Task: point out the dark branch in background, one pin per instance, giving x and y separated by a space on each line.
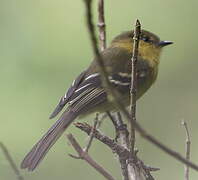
91 29
101 25
104 75
133 90
84 155
102 39
102 34
11 161
188 142
113 95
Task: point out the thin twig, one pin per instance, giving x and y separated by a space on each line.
11 162
113 95
160 145
188 142
91 136
133 89
101 25
84 155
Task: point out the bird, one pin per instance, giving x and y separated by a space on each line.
87 95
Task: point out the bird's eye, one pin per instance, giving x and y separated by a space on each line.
146 39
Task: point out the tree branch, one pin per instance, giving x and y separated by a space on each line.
101 25
121 151
122 133
11 162
188 142
84 155
91 136
133 89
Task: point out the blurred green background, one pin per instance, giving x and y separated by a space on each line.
43 47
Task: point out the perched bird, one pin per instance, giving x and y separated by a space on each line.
86 94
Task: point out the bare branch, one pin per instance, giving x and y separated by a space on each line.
118 149
133 90
101 25
121 151
84 155
11 162
122 133
91 136
131 170
188 142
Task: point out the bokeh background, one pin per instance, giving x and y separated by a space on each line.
44 45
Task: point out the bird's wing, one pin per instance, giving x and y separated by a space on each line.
80 87
64 99
87 91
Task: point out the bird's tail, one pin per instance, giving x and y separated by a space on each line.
39 150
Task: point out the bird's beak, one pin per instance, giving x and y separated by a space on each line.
164 43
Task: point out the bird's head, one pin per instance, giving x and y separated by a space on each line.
150 45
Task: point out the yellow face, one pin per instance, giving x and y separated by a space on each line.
147 51
150 52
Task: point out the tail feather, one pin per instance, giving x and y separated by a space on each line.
38 152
